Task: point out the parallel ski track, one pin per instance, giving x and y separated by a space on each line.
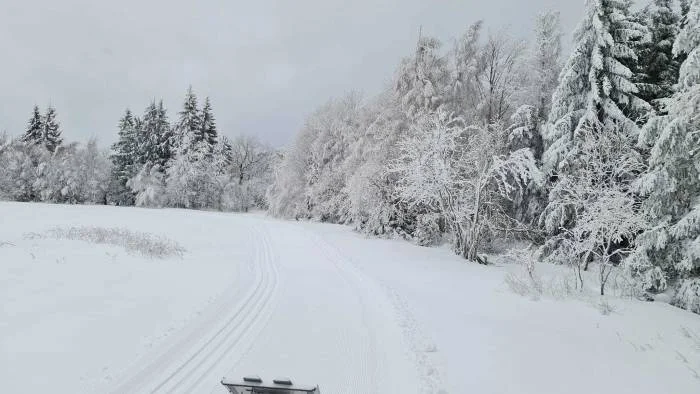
257 313
191 370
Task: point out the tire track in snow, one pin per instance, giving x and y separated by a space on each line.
204 356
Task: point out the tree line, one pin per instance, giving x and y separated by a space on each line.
593 157
154 163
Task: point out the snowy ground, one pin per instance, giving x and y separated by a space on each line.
314 302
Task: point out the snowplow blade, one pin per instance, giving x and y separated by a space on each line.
253 384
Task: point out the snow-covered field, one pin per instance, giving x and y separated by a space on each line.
315 302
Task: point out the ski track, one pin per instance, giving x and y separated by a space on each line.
245 332
421 346
197 362
172 373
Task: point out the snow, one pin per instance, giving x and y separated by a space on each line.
316 302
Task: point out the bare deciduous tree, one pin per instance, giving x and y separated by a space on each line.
249 158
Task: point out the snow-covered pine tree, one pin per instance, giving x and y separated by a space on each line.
51 137
208 124
125 161
35 128
188 129
658 66
595 90
671 248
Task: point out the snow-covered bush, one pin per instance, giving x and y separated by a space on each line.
522 285
21 168
688 295
594 207
71 174
236 198
148 185
605 307
428 231
191 180
463 173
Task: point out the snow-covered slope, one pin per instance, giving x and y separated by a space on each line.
314 302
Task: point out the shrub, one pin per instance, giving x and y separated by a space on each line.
144 244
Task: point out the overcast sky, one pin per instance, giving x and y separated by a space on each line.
265 64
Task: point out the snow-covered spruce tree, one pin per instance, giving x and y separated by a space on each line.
125 161
658 66
208 124
148 135
51 137
35 128
463 173
527 203
595 90
188 130
540 70
43 130
672 184
156 139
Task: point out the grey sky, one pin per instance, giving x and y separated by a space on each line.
265 64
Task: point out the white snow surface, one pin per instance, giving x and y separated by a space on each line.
315 302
